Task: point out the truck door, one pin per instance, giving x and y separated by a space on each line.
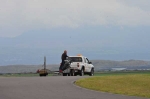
88 66
85 64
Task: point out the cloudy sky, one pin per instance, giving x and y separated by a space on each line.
100 29
20 16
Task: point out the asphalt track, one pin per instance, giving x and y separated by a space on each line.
56 87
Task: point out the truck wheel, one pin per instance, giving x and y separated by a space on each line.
64 74
68 74
92 72
72 72
81 72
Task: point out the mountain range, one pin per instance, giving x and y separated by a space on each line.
30 47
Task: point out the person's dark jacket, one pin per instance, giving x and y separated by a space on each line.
63 57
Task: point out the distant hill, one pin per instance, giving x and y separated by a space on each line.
99 65
94 43
121 63
129 64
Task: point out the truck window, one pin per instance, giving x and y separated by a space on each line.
75 59
87 61
84 60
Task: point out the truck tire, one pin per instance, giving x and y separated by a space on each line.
64 74
45 74
68 74
92 72
81 72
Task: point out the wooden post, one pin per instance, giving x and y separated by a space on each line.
44 62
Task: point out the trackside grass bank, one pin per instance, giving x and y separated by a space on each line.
130 84
111 73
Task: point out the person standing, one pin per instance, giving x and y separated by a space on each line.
63 58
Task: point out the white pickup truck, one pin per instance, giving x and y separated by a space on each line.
79 65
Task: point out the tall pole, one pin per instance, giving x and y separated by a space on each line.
44 62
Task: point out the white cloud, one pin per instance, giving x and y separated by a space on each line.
17 16
142 4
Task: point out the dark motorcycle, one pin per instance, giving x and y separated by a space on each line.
66 65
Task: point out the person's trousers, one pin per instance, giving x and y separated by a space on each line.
61 65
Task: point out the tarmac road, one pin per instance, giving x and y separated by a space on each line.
55 87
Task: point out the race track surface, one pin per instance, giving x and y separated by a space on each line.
55 87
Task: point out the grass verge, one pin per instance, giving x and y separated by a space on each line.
133 85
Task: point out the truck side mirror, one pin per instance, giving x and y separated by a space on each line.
90 62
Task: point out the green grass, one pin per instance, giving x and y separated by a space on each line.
120 73
133 84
